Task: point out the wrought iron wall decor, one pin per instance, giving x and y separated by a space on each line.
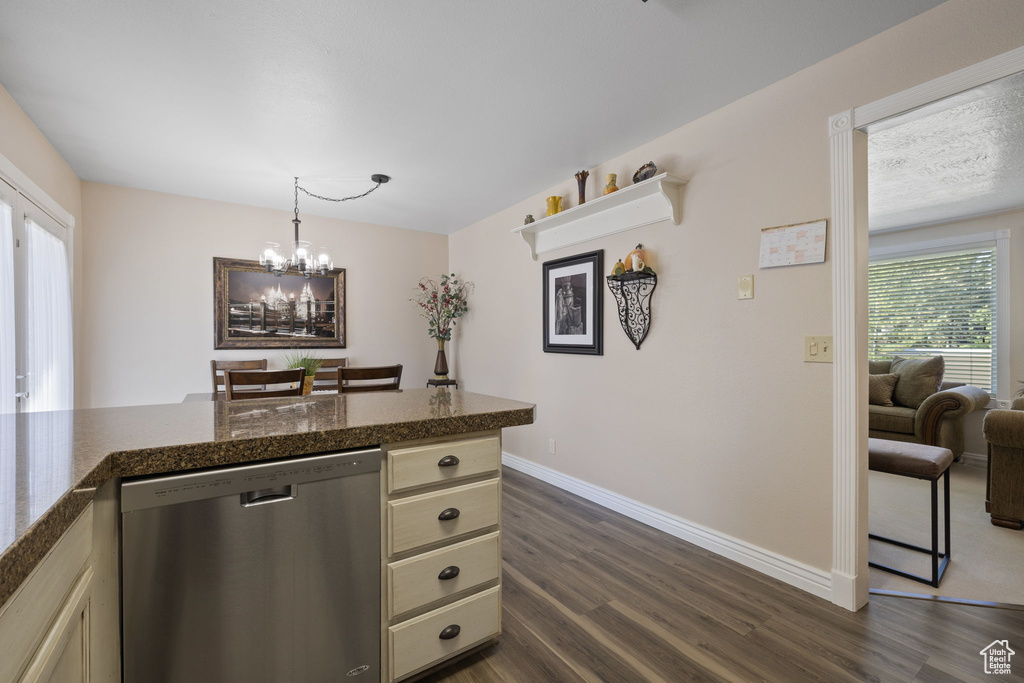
632 293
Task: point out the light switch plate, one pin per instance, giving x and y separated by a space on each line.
746 287
818 349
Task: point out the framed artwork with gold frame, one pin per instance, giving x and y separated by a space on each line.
254 309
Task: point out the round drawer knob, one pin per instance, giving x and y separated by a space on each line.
448 573
448 461
448 514
450 632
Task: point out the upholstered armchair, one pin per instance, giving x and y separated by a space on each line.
921 407
1004 431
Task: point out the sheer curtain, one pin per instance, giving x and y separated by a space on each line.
8 463
49 359
7 358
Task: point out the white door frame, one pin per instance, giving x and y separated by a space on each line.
849 313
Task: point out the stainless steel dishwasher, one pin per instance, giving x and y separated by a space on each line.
265 572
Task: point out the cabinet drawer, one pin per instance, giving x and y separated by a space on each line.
417 643
411 467
417 581
415 522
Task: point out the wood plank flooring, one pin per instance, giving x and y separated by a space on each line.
590 595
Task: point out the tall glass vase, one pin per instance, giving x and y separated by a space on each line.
441 364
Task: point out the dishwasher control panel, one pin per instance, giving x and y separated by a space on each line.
147 492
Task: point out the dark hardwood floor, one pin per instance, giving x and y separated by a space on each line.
590 595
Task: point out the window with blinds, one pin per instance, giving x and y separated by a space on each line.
937 304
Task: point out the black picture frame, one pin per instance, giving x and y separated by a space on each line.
573 304
297 321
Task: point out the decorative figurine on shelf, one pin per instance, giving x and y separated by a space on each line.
554 205
609 183
581 184
529 219
645 172
619 268
442 303
633 256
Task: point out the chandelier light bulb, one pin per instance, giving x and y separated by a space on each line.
270 257
302 257
323 261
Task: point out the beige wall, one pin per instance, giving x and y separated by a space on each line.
29 150
148 323
1014 222
716 419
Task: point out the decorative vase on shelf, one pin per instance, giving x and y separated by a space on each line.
581 184
554 205
609 183
645 172
307 385
441 364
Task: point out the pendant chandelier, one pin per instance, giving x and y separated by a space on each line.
305 260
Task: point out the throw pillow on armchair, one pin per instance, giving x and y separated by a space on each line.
919 379
880 388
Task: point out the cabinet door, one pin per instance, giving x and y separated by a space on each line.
72 664
28 618
63 656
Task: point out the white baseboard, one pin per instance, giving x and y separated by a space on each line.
975 459
814 581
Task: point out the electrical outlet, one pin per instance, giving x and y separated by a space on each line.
551 446
818 349
746 287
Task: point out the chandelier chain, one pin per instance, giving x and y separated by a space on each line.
330 199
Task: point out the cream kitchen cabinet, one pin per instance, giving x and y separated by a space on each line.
440 549
62 623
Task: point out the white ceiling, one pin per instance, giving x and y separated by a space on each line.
470 106
957 158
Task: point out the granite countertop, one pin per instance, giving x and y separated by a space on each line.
51 463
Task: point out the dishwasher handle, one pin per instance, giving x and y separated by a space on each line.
278 494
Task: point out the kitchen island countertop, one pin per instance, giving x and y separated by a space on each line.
51 463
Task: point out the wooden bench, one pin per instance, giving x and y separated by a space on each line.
921 462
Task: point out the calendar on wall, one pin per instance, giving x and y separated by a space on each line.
790 245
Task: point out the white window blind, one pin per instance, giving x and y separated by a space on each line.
937 304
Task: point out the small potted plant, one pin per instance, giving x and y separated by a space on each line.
441 302
308 363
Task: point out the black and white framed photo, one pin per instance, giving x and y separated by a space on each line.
572 304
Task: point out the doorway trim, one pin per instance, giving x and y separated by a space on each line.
848 144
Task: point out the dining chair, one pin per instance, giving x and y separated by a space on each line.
392 374
233 379
326 378
217 367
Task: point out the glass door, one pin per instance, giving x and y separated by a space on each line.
36 356
8 345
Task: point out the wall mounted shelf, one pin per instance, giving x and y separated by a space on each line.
632 292
653 200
